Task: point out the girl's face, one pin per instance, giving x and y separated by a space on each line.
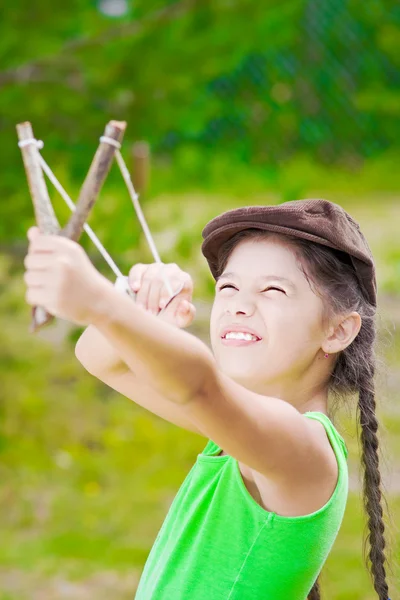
263 289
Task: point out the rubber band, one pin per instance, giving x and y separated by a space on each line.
107 140
135 200
38 143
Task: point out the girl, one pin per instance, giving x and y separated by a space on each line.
292 326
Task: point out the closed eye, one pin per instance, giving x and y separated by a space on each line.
228 285
275 288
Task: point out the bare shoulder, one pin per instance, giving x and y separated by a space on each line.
321 471
310 489
327 459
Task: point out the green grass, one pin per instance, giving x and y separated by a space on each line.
87 477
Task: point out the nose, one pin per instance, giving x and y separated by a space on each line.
240 305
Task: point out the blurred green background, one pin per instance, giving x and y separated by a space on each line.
241 103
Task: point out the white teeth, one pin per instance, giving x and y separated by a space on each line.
239 335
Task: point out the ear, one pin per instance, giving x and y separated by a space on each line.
345 331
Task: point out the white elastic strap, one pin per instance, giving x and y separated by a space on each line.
86 227
38 143
111 141
135 199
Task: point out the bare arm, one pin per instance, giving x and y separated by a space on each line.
102 361
96 354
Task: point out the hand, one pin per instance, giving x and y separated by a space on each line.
152 294
61 278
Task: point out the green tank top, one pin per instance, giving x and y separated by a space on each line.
218 543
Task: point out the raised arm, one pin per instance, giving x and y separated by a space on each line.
102 360
267 434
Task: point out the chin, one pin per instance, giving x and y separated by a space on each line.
239 372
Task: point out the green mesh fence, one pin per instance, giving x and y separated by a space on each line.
332 88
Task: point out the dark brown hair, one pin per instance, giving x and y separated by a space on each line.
331 276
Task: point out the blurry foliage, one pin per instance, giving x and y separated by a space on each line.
304 77
243 103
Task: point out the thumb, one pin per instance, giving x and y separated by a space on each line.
179 312
32 233
185 314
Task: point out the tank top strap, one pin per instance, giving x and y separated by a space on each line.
211 448
333 434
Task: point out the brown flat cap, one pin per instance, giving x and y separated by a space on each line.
317 220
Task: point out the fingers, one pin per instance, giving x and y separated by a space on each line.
180 312
46 243
183 282
149 283
33 278
38 261
153 296
135 276
38 270
149 294
185 314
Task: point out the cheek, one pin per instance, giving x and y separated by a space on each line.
285 326
301 332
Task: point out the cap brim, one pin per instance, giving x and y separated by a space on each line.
214 240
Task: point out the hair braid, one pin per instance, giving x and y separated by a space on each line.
372 485
315 593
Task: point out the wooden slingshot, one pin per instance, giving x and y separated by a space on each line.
46 219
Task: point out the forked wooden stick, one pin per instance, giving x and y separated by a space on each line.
44 213
45 216
95 178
